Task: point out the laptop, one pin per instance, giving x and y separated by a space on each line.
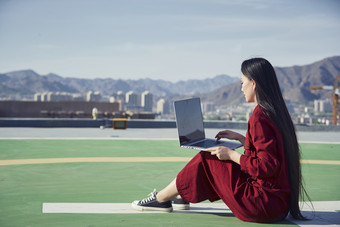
190 127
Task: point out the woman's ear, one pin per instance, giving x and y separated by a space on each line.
254 84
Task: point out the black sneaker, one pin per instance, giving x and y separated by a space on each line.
151 204
180 204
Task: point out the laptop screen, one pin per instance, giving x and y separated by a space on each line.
189 120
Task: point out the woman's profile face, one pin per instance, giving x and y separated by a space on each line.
248 88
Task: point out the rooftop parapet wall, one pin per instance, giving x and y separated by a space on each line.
31 109
107 123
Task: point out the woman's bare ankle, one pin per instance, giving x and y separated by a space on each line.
160 198
168 192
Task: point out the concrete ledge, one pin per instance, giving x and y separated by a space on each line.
226 124
314 128
150 124
51 123
107 123
90 123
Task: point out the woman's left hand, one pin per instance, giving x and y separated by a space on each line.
225 153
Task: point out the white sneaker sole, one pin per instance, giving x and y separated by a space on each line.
181 206
135 206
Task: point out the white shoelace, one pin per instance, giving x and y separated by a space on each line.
152 196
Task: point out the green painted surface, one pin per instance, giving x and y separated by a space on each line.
23 188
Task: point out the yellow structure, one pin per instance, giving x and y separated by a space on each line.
119 123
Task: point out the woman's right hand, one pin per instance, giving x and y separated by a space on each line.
228 134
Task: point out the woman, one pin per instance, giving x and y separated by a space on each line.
261 185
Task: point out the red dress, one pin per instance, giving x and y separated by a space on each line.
257 190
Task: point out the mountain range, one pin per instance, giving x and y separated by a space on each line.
28 82
295 82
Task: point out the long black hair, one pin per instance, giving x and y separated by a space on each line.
269 97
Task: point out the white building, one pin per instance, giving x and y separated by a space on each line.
147 101
120 97
131 98
93 96
37 97
163 107
44 97
323 106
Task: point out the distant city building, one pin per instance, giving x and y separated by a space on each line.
44 97
147 101
131 98
207 107
323 121
93 96
316 106
163 107
112 99
78 97
322 106
49 96
37 97
120 97
57 97
305 119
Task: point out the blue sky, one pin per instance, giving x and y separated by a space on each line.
163 39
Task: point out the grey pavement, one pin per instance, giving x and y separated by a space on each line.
136 133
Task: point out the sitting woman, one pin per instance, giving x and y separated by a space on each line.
261 185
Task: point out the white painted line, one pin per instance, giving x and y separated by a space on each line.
324 212
84 138
320 142
93 159
128 138
124 208
124 159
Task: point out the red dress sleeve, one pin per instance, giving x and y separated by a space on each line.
261 159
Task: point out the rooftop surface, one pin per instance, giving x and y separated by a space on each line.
89 177
140 133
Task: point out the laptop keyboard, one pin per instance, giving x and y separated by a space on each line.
207 143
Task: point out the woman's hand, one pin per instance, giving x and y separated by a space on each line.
230 135
225 153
